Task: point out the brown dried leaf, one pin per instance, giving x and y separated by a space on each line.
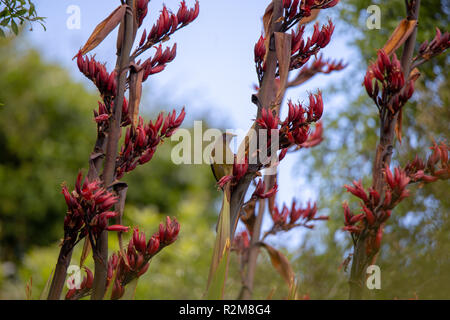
399 36
86 251
301 78
104 29
312 17
398 126
283 43
267 21
249 217
135 94
414 75
280 263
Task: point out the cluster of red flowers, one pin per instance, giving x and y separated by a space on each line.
141 142
260 54
135 261
168 23
294 130
287 219
302 51
83 289
158 62
97 73
261 193
389 89
320 65
295 10
239 170
88 211
375 210
436 167
105 111
440 43
141 11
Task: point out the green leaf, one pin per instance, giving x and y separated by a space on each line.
44 293
130 290
223 234
216 288
14 27
5 22
3 35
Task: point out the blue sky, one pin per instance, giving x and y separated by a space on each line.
213 73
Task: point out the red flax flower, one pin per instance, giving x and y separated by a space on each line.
239 170
158 62
142 10
88 210
302 51
140 143
289 218
84 288
295 128
260 192
168 23
241 244
97 73
358 191
385 83
136 259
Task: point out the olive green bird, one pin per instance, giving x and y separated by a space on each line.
222 157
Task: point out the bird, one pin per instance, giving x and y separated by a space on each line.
222 157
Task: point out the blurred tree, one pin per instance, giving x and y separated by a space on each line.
416 247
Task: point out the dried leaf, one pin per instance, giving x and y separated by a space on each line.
312 17
217 286
45 291
301 78
280 263
283 50
399 36
398 126
29 289
104 29
267 21
130 290
249 218
293 290
414 75
135 94
86 251
271 293
223 236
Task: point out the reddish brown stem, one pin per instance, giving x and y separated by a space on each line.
123 60
59 276
266 98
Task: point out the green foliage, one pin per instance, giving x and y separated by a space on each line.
15 13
